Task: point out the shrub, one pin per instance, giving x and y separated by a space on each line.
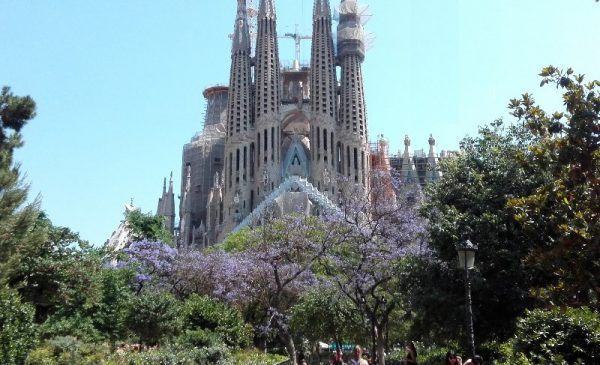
254 357
17 328
152 317
68 350
174 355
41 356
76 326
199 338
556 336
505 355
204 318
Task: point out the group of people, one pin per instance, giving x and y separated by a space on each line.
454 359
356 359
411 357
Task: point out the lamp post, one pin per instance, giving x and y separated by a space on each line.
384 305
466 261
363 306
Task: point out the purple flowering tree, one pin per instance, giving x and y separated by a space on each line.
153 262
379 230
269 274
284 252
218 274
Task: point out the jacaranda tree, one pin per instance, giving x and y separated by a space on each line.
376 234
273 270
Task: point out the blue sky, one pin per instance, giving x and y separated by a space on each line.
119 83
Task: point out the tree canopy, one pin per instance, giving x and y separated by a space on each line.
562 216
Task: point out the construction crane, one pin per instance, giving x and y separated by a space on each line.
297 39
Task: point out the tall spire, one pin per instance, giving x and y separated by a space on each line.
322 9
240 80
352 110
323 76
267 9
323 131
166 205
267 62
240 117
241 35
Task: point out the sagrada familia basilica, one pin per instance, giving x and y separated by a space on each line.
279 138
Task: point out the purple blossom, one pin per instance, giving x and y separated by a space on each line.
153 262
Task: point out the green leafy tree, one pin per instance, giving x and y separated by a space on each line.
56 273
323 314
562 217
16 219
109 313
234 242
17 329
153 317
202 315
469 202
146 226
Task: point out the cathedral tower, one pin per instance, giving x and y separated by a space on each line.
323 99
238 146
353 152
267 101
282 139
288 134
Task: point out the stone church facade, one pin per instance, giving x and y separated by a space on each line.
280 138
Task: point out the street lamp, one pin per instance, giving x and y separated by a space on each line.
363 307
384 305
466 261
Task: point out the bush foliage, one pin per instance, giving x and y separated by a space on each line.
553 336
17 329
211 322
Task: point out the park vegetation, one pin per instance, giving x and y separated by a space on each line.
376 272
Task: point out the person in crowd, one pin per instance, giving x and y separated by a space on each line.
477 360
338 358
411 353
357 357
301 358
453 359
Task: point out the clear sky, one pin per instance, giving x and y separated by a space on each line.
119 83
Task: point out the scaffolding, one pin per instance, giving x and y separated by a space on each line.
204 154
352 18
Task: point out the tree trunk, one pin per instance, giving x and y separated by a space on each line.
290 347
380 345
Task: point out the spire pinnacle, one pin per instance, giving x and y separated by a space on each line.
241 35
267 9
322 9
164 185
431 146
171 183
406 145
